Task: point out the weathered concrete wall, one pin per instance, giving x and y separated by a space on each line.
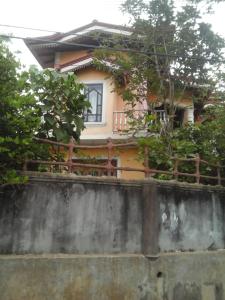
191 218
71 217
56 214
196 276
98 217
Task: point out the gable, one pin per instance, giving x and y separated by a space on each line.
45 48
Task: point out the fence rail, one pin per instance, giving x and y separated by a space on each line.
108 168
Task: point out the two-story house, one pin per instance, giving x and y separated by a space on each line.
73 51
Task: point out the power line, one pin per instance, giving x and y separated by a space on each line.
67 44
28 28
56 31
81 45
95 37
80 35
146 53
128 38
45 30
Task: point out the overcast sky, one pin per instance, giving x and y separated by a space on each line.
65 15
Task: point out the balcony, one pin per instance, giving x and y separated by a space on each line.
122 119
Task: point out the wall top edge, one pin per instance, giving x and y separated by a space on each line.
71 178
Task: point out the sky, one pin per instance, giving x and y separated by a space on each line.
65 15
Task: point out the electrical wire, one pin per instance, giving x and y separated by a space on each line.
28 28
71 34
146 53
95 37
45 30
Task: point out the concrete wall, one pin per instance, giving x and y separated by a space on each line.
189 276
71 217
191 218
76 215
116 237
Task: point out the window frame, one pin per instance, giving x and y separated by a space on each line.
102 82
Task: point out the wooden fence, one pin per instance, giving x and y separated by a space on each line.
108 168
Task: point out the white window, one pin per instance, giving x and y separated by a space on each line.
94 93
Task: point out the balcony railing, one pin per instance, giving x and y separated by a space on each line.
122 119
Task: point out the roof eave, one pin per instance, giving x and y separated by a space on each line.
50 42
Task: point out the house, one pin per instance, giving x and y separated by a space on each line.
73 51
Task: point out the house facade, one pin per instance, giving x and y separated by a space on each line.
73 52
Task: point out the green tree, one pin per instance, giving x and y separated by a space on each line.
60 103
172 53
18 117
206 139
35 103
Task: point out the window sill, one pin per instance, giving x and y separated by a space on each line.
94 124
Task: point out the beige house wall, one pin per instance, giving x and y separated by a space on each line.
127 157
112 102
103 129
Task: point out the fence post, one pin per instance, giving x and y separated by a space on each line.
146 162
109 163
218 174
197 165
25 165
175 171
71 146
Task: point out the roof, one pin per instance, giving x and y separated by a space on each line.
44 48
83 62
77 64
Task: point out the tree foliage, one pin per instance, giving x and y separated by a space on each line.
60 103
205 139
171 54
35 103
18 117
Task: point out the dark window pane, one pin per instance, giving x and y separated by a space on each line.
94 95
